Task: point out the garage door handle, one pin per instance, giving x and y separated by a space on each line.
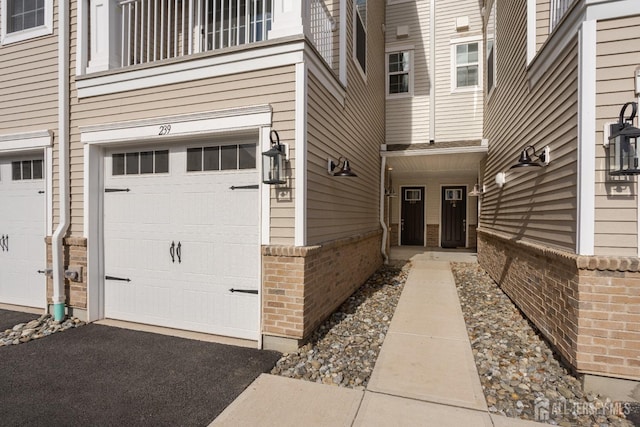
172 250
244 291
179 252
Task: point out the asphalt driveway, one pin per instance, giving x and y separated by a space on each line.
8 319
101 376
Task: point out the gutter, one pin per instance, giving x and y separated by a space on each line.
432 65
57 248
383 249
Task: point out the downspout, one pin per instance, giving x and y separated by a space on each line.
432 65
63 161
383 249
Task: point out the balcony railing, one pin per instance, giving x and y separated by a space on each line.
558 9
153 30
322 27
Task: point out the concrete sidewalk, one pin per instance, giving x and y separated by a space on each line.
425 373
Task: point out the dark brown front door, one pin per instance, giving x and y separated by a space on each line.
454 217
412 216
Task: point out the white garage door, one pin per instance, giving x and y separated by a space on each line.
22 228
181 246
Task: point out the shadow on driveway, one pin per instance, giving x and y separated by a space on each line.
100 376
9 319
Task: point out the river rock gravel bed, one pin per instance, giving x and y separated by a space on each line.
344 349
520 375
37 328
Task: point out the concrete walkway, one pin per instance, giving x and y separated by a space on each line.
425 374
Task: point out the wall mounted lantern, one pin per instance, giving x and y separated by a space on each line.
273 161
525 161
623 143
341 168
477 191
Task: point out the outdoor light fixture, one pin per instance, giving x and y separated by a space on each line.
623 143
525 160
273 161
501 179
339 169
477 191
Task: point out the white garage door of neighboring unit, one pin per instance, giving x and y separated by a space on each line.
22 229
182 248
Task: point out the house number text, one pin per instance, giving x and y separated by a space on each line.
164 130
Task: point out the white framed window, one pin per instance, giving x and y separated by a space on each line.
360 34
490 37
465 63
412 195
399 74
25 19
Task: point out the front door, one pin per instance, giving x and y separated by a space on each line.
412 218
454 217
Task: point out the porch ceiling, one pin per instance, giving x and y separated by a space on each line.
440 162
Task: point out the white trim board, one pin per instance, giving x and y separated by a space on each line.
300 231
188 70
26 141
181 126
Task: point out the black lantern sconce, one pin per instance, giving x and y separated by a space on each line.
341 168
273 161
525 160
623 143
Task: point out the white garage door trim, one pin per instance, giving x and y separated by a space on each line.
173 129
35 143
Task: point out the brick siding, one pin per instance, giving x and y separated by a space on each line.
588 307
433 235
302 286
75 254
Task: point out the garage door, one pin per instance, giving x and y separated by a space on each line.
181 233
22 228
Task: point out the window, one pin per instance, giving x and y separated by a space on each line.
491 50
412 195
140 163
466 69
25 19
26 170
399 73
224 157
360 32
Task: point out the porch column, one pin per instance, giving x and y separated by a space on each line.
290 18
105 18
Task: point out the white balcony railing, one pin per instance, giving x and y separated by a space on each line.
322 27
153 30
558 9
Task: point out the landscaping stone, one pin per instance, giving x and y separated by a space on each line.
37 328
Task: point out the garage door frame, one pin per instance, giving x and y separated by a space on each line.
35 142
162 130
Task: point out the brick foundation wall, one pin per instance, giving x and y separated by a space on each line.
393 234
473 236
302 286
75 255
433 235
587 307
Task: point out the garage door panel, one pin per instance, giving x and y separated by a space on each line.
218 233
22 231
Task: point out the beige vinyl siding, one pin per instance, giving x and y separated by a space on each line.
28 83
340 207
618 56
407 119
274 86
543 16
540 205
459 112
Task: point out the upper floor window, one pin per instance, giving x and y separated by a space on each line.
25 19
466 65
399 80
490 37
360 33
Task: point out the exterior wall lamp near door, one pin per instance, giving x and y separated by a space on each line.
341 168
526 162
273 161
623 143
